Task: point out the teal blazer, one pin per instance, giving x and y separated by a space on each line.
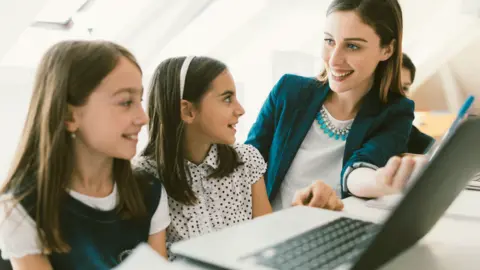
379 131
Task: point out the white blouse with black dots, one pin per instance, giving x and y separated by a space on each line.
221 202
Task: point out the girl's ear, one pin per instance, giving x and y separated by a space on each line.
72 119
187 111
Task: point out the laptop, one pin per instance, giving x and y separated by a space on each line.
309 238
474 184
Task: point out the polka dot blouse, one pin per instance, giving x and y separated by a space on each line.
222 202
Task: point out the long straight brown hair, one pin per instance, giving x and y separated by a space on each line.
385 17
166 128
67 74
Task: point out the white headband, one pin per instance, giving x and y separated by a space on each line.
183 73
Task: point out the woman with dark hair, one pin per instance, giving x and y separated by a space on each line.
328 137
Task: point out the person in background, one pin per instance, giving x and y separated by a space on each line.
211 182
339 134
71 199
418 142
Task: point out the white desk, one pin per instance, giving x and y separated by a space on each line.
453 243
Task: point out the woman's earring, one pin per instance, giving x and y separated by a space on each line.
73 135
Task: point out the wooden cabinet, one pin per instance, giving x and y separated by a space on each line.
434 124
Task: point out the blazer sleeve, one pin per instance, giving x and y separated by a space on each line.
261 134
388 141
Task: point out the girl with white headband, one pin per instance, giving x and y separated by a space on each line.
211 182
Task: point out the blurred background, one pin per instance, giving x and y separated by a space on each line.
259 40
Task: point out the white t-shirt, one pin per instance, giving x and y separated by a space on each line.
318 158
18 233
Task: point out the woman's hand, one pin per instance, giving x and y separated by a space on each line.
318 195
394 177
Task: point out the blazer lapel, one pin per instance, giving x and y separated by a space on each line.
360 127
362 123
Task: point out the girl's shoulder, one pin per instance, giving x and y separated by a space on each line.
253 165
145 164
145 171
18 231
24 193
248 153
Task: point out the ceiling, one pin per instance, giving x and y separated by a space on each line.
258 39
441 36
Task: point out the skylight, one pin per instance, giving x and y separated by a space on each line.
60 11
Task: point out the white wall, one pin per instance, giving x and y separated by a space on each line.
14 18
15 82
256 79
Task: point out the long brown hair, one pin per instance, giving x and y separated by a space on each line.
385 17
166 128
67 74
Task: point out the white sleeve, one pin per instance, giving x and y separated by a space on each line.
18 232
362 170
362 173
161 217
254 164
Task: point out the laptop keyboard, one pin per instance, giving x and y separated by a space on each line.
325 247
